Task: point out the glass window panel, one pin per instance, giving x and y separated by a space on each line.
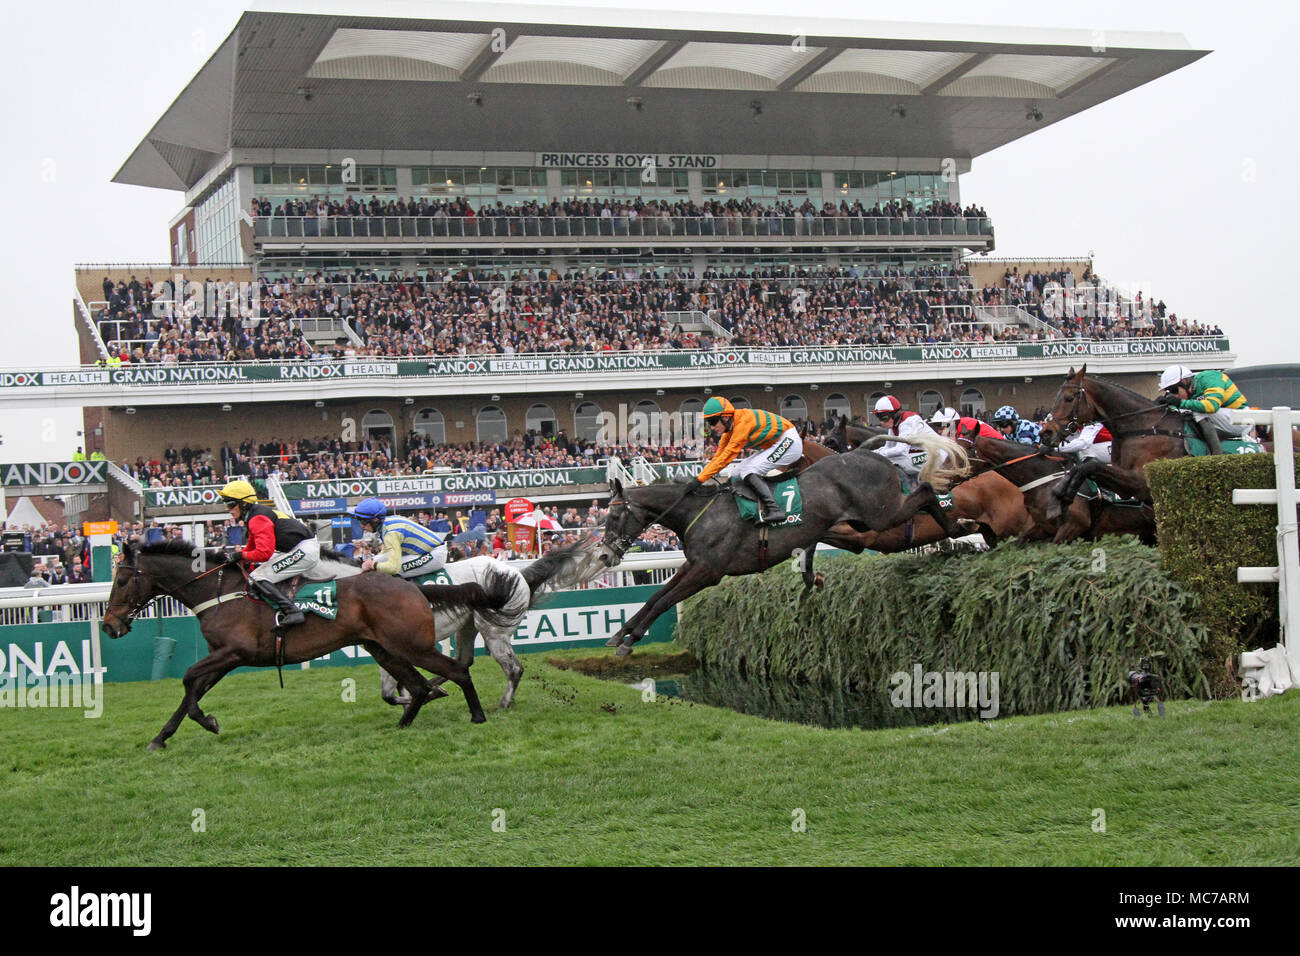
280 175
388 175
261 175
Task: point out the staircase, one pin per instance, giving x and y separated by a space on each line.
701 323
1001 316
125 494
326 331
87 320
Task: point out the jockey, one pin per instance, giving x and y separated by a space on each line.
279 545
1013 428
949 424
889 412
1091 441
1207 395
736 429
410 549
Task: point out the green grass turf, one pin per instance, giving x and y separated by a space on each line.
588 773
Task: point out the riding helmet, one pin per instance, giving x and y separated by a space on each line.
1173 375
716 408
1006 415
240 491
371 509
887 405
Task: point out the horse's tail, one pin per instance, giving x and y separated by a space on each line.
486 599
564 568
937 476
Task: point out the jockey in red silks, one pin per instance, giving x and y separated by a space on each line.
1091 441
949 424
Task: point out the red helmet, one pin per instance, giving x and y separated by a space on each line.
887 405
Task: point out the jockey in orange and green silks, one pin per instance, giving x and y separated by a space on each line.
776 442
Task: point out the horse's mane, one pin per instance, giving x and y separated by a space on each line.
181 549
1119 388
564 567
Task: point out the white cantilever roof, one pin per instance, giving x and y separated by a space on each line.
561 77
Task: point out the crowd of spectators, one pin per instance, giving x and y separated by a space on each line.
325 459
544 312
318 216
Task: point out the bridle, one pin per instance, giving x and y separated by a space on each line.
139 606
1073 424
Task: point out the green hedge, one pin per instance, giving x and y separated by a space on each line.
1061 624
1204 538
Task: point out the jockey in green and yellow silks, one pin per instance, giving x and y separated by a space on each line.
1208 395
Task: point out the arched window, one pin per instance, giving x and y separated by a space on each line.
794 407
643 423
586 421
930 401
740 401
836 405
972 402
541 419
490 424
377 423
430 423
692 425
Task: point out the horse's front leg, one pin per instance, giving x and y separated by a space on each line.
691 579
639 616
198 680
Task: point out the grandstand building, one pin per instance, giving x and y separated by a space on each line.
469 227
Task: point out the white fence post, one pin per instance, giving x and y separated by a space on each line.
1287 571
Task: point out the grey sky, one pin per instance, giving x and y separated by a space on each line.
1182 188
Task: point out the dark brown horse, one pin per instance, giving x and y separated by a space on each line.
391 618
1142 432
992 502
1036 474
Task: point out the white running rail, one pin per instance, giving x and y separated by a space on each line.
1286 573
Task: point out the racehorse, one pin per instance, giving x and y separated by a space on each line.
1035 473
391 619
844 496
843 435
992 502
1142 432
561 568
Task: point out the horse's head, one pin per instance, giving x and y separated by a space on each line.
133 588
622 525
1071 408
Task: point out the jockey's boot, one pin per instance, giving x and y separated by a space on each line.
286 612
1211 435
772 513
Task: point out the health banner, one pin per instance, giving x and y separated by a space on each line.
39 654
486 365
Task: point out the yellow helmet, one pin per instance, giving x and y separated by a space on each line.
239 490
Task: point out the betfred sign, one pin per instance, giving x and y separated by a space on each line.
99 527
53 473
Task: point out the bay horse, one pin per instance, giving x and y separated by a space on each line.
1141 431
1035 473
391 618
843 496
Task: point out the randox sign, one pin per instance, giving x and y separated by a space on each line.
53 473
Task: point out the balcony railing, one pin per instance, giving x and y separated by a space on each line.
613 227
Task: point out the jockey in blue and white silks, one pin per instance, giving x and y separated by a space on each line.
1008 421
410 550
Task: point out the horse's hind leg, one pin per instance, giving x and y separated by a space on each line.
198 681
498 644
456 672
418 689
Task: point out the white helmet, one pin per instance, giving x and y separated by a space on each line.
1173 375
944 416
